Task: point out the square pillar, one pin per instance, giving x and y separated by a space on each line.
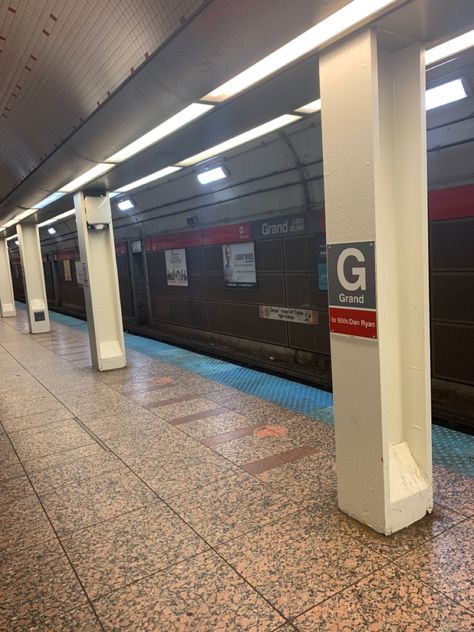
101 289
374 152
7 298
33 278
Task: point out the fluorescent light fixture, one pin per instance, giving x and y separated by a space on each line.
125 205
310 108
11 237
212 175
51 230
445 93
245 137
449 48
17 243
48 200
57 218
353 14
162 173
192 112
92 174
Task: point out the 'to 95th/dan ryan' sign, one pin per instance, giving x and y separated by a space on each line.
352 302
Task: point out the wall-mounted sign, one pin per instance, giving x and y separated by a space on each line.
79 272
67 270
352 304
239 265
282 226
289 314
176 268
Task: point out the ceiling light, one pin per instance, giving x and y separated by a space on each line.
11 237
445 93
212 175
57 218
192 112
150 178
125 205
51 230
353 14
246 137
17 243
449 48
92 174
48 200
310 108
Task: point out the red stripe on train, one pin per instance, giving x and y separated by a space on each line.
453 203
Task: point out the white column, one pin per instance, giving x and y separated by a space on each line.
33 278
101 290
7 298
374 150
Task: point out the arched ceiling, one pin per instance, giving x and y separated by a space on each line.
61 59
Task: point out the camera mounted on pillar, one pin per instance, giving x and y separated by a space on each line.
98 213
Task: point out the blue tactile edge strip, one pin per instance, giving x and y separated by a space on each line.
451 449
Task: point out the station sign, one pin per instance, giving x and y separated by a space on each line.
351 280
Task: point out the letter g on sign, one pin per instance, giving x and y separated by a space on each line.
359 272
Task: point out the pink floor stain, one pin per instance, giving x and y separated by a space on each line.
271 431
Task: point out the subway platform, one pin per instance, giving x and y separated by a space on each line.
150 498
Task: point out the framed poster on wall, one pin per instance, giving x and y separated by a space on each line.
67 270
239 265
176 267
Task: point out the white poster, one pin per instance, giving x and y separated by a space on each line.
176 268
239 265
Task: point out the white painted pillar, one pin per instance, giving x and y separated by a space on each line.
7 298
33 278
374 149
101 289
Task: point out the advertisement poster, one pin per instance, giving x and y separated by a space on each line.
176 268
239 265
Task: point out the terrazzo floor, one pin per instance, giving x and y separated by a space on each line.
143 499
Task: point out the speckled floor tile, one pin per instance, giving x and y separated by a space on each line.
454 491
89 502
61 458
75 471
10 465
129 424
15 489
298 562
226 509
182 409
152 442
129 547
199 594
217 424
24 524
33 421
29 407
50 439
45 585
80 619
252 448
151 399
313 476
388 600
402 541
311 432
447 563
181 471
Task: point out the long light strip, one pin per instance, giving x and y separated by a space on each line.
245 137
449 48
58 218
12 237
50 199
162 173
353 14
310 108
179 120
25 214
445 93
91 174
